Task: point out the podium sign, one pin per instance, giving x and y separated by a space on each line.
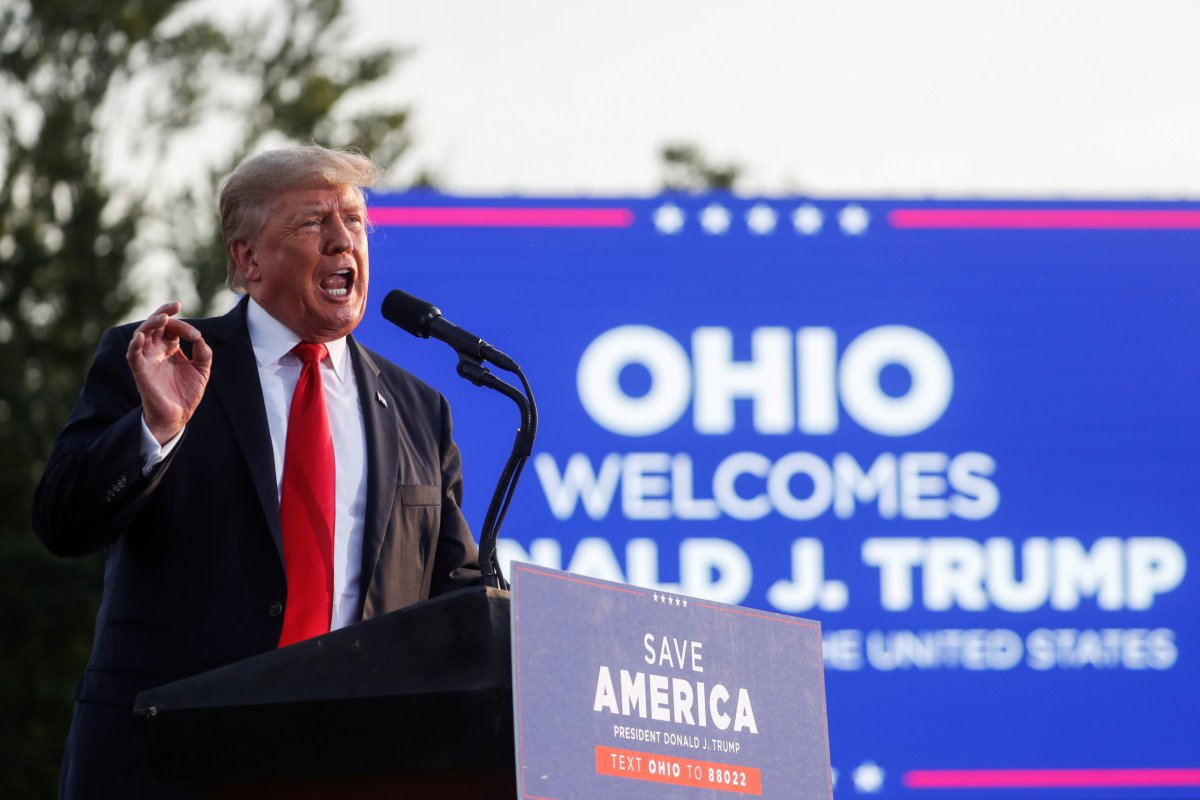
635 693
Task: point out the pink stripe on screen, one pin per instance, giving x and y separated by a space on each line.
1049 778
1045 218
480 217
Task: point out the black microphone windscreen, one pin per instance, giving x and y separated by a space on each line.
410 313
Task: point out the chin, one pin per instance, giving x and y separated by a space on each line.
345 324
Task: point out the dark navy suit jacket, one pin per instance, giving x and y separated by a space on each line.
194 575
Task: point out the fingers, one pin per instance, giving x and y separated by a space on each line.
177 328
145 351
158 338
163 324
133 353
170 384
201 354
170 308
158 319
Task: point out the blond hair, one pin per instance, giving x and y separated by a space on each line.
247 194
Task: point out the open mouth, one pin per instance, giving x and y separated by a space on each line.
338 284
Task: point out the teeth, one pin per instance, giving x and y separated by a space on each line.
337 284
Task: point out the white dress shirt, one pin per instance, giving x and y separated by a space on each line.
278 372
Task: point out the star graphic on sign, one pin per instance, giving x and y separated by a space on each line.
656 597
669 218
685 602
854 219
714 219
868 778
760 219
808 219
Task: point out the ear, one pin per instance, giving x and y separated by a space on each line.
245 259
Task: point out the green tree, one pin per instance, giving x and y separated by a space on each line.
116 121
685 168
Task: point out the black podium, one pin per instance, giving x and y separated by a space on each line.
414 703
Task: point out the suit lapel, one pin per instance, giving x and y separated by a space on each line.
383 448
239 390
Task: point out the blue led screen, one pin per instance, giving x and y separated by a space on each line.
961 435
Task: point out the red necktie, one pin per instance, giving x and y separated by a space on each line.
306 504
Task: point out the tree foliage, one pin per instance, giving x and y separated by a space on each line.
117 119
687 169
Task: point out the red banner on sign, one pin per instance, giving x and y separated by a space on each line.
678 771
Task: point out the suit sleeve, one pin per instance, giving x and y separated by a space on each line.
93 483
456 560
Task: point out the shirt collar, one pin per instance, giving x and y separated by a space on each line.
272 340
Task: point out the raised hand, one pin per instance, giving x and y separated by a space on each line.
169 383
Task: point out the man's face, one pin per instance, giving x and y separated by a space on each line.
308 266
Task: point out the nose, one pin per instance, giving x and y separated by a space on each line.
337 237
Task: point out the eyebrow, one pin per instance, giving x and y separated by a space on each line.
322 210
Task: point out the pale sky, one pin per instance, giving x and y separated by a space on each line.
1035 98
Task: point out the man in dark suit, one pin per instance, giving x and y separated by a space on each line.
180 453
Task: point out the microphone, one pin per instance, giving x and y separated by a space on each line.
426 321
